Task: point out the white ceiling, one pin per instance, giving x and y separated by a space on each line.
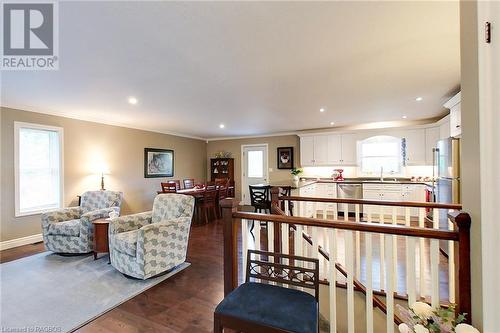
257 67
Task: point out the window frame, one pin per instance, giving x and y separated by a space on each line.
401 171
18 125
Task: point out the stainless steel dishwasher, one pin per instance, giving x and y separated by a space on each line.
349 191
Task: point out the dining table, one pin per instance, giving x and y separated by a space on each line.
197 193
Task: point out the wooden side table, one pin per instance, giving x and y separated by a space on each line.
101 243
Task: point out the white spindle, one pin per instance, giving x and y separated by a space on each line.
332 278
358 243
382 249
369 277
410 262
421 252
395 249
257 240
285 228
315 243
349 249
451 266
390 286
244 245
435 262
270 236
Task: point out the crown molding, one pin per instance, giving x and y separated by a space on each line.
101 121
251 136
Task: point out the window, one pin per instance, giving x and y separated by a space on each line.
255 164
381 152
38 168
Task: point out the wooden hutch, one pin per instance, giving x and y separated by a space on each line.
222 168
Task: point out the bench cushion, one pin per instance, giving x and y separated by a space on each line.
269 305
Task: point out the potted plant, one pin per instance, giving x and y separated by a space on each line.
296 172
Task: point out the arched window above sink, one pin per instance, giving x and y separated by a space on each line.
381 152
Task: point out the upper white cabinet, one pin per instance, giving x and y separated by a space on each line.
444 128
328 150
307 150
455 115
349 149
334 149
320 149
431 138
415 146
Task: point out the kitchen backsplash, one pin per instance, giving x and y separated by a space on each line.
352 172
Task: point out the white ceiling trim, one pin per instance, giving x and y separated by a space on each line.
102 121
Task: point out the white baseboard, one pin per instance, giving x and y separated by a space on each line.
20 241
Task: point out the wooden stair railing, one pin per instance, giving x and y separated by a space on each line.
460 238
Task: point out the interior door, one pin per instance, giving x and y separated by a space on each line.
254 169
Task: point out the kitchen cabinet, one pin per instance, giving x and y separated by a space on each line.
412 193
415 146
455 115
328 150
349 149
394 192
326 190
431 138
444 128
334 149
307 150
320 144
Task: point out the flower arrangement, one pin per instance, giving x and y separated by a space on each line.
422 318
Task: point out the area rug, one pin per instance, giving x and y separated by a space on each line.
50 293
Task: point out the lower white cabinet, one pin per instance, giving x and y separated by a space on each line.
394 192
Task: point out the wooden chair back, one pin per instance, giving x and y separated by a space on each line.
210 197
280 270
188 183
168 187
259 196
286 191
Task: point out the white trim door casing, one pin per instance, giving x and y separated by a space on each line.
247 178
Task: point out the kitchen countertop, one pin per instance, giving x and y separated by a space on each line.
309 181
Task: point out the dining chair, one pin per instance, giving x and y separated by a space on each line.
168 187
259 198
208 204
188 183
286 191
223 188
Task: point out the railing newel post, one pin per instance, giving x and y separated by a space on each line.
462 221
229 206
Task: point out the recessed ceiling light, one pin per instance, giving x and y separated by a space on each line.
404 117
132 100
322 110
222 126
418 99
332 123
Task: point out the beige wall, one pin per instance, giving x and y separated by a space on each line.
85 143
234 146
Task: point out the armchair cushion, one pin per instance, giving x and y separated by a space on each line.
168 206
126 242
66 228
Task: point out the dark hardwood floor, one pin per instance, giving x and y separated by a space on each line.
182 303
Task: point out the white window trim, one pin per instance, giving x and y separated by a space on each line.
402 168
17 126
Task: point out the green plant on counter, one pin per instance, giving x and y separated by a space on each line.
296 171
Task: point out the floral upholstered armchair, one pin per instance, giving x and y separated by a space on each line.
70 230
146 244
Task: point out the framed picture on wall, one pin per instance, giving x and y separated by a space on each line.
285 158
158 162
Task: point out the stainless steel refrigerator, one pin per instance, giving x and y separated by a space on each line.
447 184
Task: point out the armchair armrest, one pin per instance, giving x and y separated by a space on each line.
129 222
93 215
60 215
